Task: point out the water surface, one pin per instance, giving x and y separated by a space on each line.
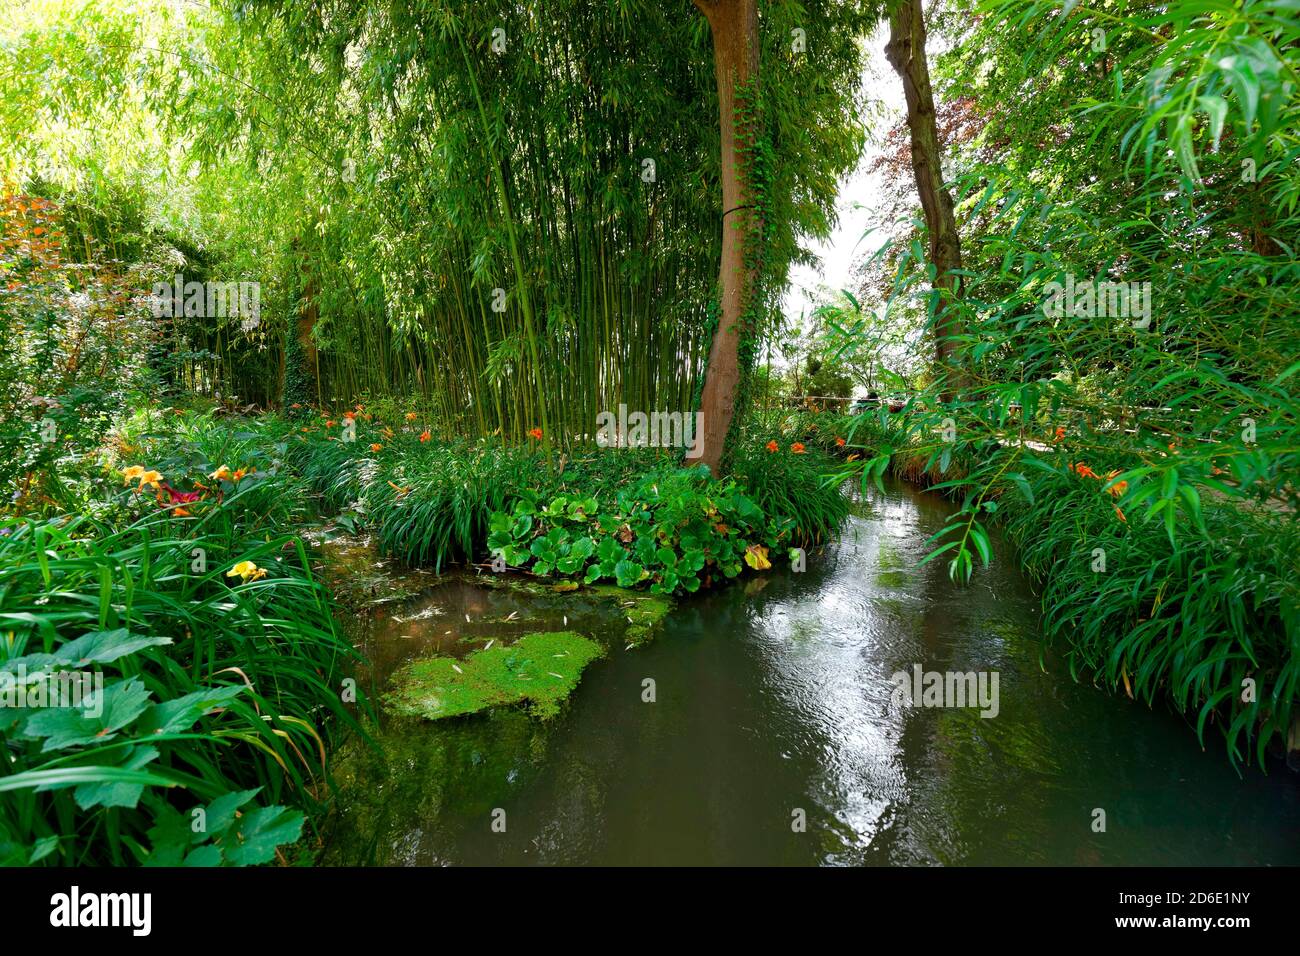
773 703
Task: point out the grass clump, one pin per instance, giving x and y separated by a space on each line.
538 671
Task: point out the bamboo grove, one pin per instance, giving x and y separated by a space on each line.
511 213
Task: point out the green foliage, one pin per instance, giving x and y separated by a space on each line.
209 686
803 488
674 529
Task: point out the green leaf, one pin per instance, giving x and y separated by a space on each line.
63 727
254 837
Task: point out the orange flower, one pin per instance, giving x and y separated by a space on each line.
399 489
772 446
387 432
410 416
1121 515
535 433
797 448
330 423
1060 433
1084 471
425 436
1119 487
375 446
349 416
181 513
840 442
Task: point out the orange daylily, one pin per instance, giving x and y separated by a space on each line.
772 445
411 416
241 472
1084 471
797 448
375 446
1060 433
425 436
401 490
222 473
840 442
1119 487
1121 515
535 433
149 478
330 423
181 513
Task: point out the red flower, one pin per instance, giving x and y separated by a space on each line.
840 442
772 446
535 433
180 497
797 448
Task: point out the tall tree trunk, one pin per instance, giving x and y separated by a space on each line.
906 53
734 25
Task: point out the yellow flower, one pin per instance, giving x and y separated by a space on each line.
246 571
149 478
132 474
221 474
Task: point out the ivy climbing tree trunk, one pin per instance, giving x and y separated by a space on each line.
906 54
734 26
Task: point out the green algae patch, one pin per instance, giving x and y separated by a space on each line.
538 671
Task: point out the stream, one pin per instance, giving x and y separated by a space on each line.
772 738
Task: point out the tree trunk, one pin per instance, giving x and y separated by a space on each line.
906 53
734 25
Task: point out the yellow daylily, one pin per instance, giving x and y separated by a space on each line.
149 478
246 571
221 474
132 474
